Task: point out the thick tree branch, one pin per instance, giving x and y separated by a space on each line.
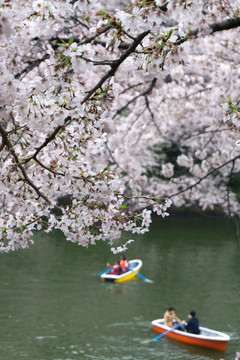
115 64
19 165
225 25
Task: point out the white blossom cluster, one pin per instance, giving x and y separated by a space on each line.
114 105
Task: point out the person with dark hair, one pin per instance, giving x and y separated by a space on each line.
124 264
170 318
192 325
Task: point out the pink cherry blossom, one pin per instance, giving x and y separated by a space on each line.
122 108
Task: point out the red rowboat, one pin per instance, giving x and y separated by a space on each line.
208 338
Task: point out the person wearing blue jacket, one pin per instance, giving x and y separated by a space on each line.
192 325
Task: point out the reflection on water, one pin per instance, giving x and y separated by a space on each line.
53 305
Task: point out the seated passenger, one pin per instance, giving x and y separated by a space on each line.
115 269
192 325
170 318
124 264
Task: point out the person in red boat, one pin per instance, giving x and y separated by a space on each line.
171 319
192 325
115 269
124 264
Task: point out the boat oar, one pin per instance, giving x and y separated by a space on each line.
141 276
103 272
159 336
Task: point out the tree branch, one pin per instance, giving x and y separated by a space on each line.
115 64
19 165
225 25
144 93
205 176
32 65
48 139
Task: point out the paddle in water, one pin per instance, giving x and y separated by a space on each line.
142 277
103 272
159 336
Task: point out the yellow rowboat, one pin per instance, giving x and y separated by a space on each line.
135 266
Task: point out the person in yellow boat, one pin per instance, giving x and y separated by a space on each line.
170 318
124 264
115 269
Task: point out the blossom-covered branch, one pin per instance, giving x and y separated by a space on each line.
115 105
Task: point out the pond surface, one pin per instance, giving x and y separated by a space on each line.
53 305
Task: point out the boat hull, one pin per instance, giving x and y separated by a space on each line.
129 275
208 338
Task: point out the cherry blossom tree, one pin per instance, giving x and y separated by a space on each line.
123 106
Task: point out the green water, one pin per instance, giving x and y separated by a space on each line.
54 307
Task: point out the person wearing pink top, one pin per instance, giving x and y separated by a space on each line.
115 269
